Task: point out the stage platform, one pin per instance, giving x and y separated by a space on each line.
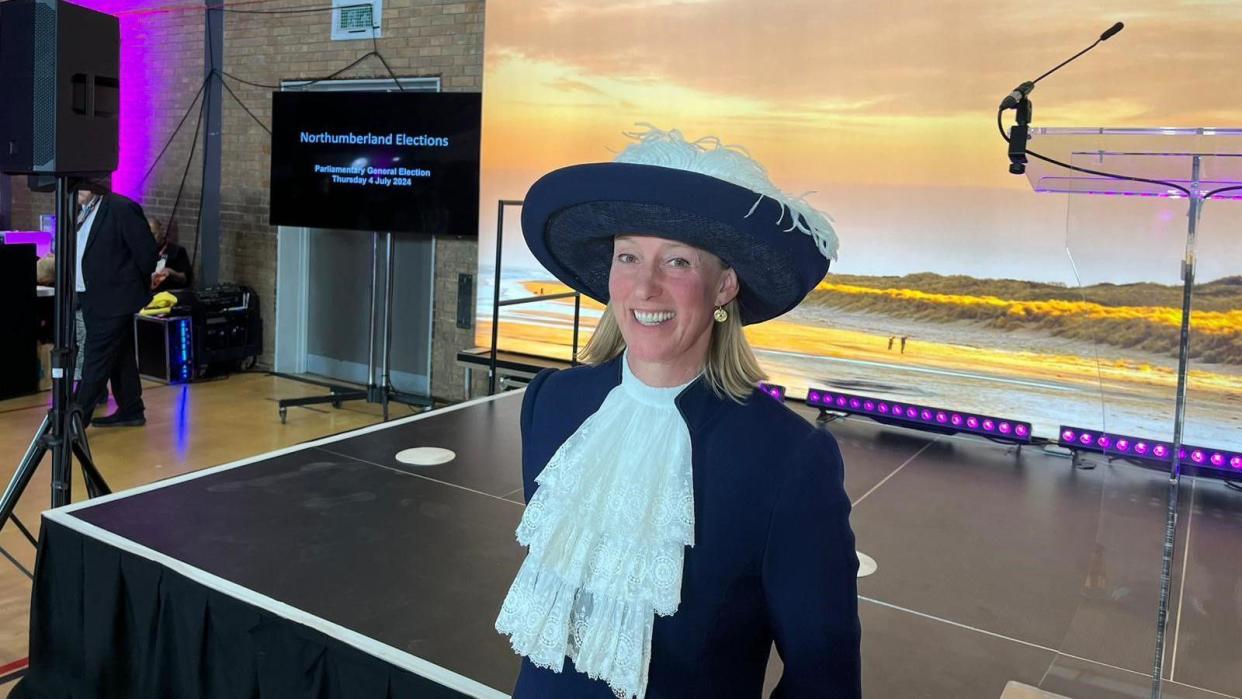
331 569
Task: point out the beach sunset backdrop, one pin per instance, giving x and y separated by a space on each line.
886 113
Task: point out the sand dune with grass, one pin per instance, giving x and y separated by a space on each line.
1144 317
544 336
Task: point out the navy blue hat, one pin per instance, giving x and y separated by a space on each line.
780 249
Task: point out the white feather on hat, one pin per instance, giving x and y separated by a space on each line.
733 164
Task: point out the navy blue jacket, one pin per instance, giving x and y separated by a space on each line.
773 558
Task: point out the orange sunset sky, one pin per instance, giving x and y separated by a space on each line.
886 110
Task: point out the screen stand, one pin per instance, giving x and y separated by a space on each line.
382 392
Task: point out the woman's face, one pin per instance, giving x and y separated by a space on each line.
663 294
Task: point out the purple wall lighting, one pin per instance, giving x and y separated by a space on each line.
777 392
146 78
1152 450
138 91
921 416
41 239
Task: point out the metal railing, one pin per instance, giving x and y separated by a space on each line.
497 303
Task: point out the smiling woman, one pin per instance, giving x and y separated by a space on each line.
729 364
663 294
679 521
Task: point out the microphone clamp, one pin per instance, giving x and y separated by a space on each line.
1019 93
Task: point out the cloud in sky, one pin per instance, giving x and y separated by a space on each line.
911 58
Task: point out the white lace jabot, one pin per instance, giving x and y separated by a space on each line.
607 531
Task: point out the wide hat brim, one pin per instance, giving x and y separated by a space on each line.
571 215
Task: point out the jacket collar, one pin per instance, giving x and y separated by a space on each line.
698 403
101 209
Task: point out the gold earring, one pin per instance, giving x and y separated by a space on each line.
721 315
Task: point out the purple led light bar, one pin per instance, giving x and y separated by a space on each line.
925 416
774 390
1148 449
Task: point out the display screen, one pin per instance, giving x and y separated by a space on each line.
376 161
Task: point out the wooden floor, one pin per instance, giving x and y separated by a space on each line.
188 427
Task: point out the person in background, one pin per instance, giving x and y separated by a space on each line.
45 270
45 275
173 269
116 256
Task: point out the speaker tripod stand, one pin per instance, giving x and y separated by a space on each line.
62 432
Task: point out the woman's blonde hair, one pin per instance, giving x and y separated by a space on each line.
732 370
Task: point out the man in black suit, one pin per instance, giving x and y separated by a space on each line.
116 257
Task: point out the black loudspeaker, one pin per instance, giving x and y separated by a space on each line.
59 88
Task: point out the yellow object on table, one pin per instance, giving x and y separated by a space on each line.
160 304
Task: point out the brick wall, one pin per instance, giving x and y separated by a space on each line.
420 38
27 206
166 45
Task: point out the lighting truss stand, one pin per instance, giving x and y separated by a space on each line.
62 431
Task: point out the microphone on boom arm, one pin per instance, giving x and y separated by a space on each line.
1018 100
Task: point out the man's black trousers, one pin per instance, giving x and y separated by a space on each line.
109 357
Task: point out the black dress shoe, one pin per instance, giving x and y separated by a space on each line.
118 420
